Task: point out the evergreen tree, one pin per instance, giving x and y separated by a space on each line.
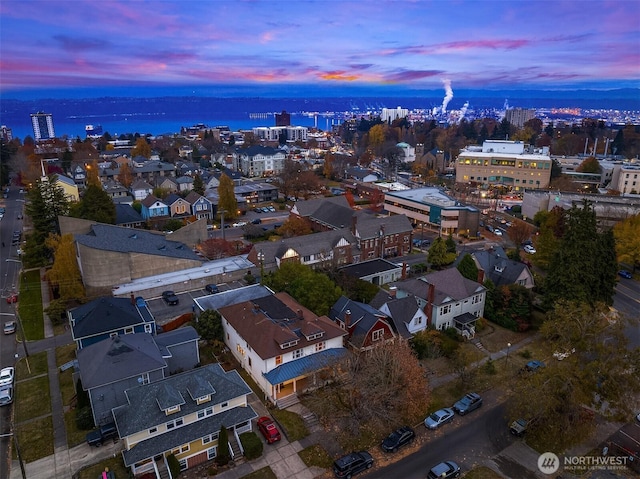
46 201
209 325
198 184
617 146
438 255
468 268
96 205
451 244
223 456
227 198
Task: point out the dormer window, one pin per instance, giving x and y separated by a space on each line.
288 344
317 335
171 410
203 399
499 268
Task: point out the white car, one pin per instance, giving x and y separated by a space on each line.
497 232
529 249
6 376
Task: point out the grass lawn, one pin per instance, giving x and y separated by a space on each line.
67 388
316 456
35 439
30 305
264 473
292 424
35 365
114 464
33 398
481 472
74 435
495 338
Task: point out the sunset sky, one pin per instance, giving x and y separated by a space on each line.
297 47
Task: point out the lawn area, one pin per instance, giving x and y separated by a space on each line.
74 435
292 424
34 365
495 338
33 398
481 472
65 354
114 464
30 305
316 456
35 439
264 473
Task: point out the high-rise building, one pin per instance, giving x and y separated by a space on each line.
42 126
389 114
519 116
283 119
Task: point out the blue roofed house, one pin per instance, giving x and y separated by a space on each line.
283 346
201 207
105 317
182 416
366 326
153 207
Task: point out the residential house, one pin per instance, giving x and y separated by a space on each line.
201 207
185 183
141 189
183 415
376 271
178 206
69 188
153 207
283 346
117 192
153 170
105 317
328 248
128 217
109 367
406 315
502 271
362 174
168 184
365 326
449 299
79 175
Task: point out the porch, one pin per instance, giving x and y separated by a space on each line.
465 324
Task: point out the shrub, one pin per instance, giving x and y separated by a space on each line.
84 418
489 367
251 444
526 354
174 465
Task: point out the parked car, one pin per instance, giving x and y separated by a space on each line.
625 274
239 223
444 470
6 395
269 430
100 435
256 221
468 403
397 439
352 464
6 376
518 427
534 365
12 298
9 327
529 249
271 209
212 288
438 418
497 232
170 298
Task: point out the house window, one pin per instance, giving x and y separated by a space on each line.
210 438
224 405
249 361
148 328
240 350
278 360
183 464
203 399
113 335
180 450
172 409
153 430
419 320
205 412
128 330
321 345
297 354
377 335
445 309
212 452
144 379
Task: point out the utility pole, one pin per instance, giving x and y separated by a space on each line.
15 440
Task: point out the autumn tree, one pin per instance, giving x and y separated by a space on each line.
216 248
519 232
65 275
627 235
125 175
377 391
226 198
295 226
589 165
327 169
142 148
599 373
93 174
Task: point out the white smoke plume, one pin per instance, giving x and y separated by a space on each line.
448 94
463 111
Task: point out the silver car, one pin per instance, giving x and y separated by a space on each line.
438 418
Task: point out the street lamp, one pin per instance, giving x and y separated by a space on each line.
507 359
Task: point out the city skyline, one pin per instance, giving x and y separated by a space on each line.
313 48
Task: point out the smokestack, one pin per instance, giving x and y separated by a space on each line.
133 300
404 270
347 319
480 276
431 293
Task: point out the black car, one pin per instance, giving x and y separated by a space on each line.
100 435
352 464
468 403
444 470
170 298
212 288
397 439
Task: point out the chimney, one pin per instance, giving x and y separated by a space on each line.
431 293
299 314
133 300
480 276
393 291
404 270
347 319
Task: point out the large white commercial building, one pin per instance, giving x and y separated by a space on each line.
42 126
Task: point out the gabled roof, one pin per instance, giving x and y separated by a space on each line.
363 318
127 240
273 325
150 200
173 198
449 285
104 315
117 358
147 397
125 214
141 185
193 197
371 226
402 312
309 207
498 267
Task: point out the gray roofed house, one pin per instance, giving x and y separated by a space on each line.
140 189
114 364
377 271
179 348
406 315
231 297
366 325
128 217
181 414
101 318
496 266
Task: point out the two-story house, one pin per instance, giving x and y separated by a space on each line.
182 415
106 316
365 325
449 299
178 206
153 207
407 317
502 271
201 207
140 189
283 346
